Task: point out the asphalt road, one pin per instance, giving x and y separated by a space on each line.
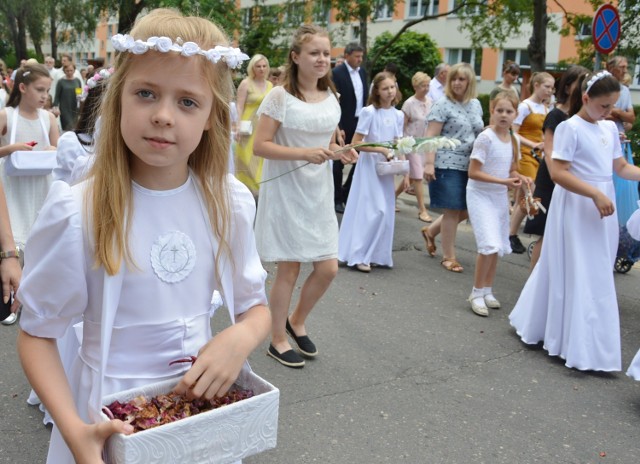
408 374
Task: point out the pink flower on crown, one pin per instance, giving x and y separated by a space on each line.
190 49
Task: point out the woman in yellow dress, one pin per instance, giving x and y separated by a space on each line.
251 92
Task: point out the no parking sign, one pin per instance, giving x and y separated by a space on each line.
605 29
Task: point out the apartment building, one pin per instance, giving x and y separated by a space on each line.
454 45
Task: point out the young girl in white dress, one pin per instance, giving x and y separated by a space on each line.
492 170
296 222
366 231
22 122
633 226
76 148
142 271
569 301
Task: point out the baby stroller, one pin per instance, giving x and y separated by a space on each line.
626 203
628 252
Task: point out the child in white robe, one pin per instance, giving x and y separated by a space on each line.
139 248
366 232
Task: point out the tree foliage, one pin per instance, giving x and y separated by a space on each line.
267 27
412 52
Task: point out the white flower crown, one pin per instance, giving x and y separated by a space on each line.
233 57
93 81
595 78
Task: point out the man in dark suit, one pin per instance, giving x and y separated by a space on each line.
351 83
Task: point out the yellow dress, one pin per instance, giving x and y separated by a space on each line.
531 129
249 167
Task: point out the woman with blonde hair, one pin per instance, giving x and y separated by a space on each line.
251 92
415 110
458 115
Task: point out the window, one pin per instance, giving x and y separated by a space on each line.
634 69
519 56
467 55
419 8
583 31
355 32
247 17
383 10
294 14
469 9
321 12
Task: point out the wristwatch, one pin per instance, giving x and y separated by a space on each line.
15 253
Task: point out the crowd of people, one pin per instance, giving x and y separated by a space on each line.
256 174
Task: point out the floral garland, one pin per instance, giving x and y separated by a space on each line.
403 145
94 80
595 78
407 145
233 57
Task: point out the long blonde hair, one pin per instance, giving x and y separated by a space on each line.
110 177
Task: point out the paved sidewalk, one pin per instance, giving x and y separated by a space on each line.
407 373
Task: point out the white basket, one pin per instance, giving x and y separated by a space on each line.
220 436
393 167
30 163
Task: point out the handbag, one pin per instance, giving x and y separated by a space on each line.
246 127
393 167
29 163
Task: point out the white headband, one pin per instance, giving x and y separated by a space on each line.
233 57
595 78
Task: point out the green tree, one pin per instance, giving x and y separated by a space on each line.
222 12
412 52
263 30
488 23
68 19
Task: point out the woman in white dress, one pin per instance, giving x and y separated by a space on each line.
569 301
142 272
296 222
25 126
366 232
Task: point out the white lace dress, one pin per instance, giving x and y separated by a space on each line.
296 220
25 194
488 203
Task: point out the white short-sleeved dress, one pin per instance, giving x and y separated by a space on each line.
569 300
70 148
25 194
165 302
296 220
488 203
366 231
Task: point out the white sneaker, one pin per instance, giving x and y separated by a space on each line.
478 306
363 267
13 317
491 301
